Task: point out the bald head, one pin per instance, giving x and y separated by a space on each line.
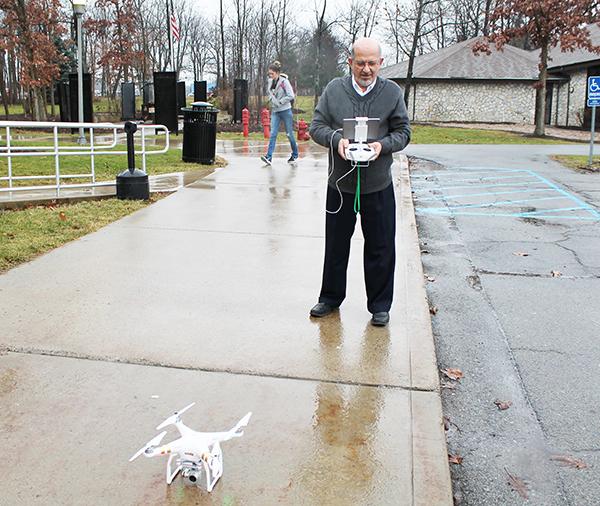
365 44
365 61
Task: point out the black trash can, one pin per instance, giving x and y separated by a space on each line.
199 133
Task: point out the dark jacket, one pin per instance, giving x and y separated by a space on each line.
340 101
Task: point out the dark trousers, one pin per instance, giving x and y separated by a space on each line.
378 222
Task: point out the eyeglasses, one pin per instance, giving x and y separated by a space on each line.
362 64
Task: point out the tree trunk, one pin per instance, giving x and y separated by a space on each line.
52 103
12 81
3 92
413 51
540 94
319 33
222 28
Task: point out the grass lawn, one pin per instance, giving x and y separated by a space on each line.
307 105
427 134
579 162
106 166
27 233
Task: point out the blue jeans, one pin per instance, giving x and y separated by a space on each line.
288 120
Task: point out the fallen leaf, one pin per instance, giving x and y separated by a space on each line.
556 274
502 405
432 310
448 386
521 254
569 461
62 216
455 459
449 423
453 374
517 484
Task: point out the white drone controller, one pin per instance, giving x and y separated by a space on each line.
194 451
359 151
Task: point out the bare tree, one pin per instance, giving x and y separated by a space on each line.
360 19
222 32
321 28
549 24
281 18
201 54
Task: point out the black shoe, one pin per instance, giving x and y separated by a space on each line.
380 319
266 161
322 309
292 159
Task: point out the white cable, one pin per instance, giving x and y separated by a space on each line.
332 161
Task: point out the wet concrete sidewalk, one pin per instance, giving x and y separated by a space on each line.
204 296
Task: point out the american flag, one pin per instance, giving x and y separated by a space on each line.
174 27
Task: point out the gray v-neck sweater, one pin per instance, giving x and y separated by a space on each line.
340 101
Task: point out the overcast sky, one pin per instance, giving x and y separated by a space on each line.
304 16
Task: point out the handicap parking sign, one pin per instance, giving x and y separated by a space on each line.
593 91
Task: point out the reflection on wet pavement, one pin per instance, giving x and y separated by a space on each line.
345 422
227 268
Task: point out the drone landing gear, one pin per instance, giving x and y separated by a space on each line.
171 475
214 466
191 472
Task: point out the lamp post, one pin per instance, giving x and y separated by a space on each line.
79 9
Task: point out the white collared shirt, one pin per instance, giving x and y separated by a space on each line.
359 90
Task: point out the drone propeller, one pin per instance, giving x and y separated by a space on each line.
174 418
150 444
237 430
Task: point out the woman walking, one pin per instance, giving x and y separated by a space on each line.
280 94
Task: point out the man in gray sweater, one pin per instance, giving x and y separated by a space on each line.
362 94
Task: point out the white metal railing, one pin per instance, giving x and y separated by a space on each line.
92 149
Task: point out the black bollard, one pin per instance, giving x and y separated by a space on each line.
132 183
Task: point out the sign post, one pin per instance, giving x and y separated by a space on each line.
593 92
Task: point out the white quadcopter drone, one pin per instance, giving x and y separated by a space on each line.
192 450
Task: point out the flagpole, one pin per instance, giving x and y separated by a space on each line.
170 35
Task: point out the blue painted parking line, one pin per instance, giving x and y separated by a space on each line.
449 174
506 215
449 197
530 183
482 186
505 202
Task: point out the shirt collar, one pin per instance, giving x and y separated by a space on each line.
359 90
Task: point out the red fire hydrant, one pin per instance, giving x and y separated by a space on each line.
245 120
303 134
265 117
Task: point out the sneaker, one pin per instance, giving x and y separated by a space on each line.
266 161
292 159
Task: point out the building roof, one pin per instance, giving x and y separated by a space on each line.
559 59
459 62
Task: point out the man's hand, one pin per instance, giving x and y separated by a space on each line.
344 143
376 146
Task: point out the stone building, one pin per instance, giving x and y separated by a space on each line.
454 84
567 92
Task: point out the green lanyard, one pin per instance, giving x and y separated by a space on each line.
357 195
